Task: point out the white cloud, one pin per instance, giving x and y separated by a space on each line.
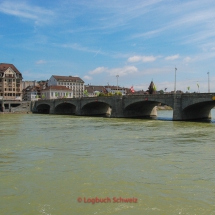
123 71
187 59
79 47
23 10
98 70
141 58
41 62
172 57
134 59
86 77
115 71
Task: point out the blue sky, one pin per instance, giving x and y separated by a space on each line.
96 40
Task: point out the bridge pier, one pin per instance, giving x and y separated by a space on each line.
52 109
117 107
177 108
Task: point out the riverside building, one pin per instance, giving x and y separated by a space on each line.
10 82
74 84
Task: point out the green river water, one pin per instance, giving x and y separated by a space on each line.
58 165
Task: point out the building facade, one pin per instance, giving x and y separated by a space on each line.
75 84
115 89
10 82
93 91
56 92
31 93
26 84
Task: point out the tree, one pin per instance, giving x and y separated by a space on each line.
86 93
161 91
101 94
110 94
118 93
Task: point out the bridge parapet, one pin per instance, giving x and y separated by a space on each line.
185 106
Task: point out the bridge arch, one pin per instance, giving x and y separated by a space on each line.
96 108
200 110
141 109
43 108
65 108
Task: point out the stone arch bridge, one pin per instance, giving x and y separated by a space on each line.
192 106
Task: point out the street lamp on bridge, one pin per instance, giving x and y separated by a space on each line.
117 76
175 81
208 82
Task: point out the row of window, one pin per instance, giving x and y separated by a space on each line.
67 83
56 94
11 80
12 89
11 85
11 75
10 94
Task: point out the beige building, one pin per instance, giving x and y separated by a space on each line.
29 83
56 92
10 82
93 91
75 84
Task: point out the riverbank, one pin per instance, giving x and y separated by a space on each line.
165 107
21 112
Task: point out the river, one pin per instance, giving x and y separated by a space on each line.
54 165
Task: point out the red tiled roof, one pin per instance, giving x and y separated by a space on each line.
91 89
5 66
67 78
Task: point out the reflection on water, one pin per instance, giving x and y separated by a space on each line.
47 162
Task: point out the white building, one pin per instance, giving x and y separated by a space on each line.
115 89
75 84
56 92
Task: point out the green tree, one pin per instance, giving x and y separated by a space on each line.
86 93
110 94
101 94
118 93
